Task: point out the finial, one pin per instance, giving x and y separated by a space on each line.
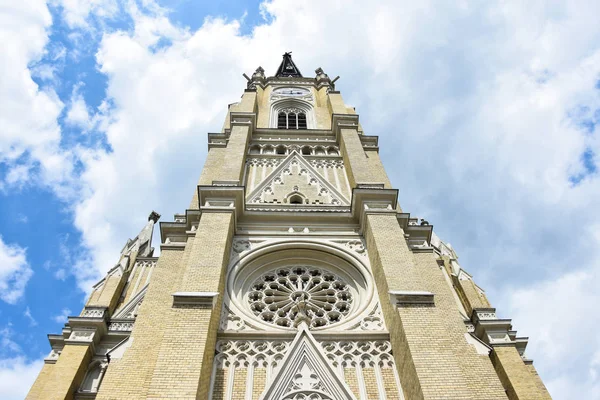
154 216
258 78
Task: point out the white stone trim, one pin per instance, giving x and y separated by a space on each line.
404 297
300 104
246 267
304 358
195 298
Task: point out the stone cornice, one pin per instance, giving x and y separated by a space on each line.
410 297
495 331
343 121
224 197
207 299
369 142
240 118
217 140
372 201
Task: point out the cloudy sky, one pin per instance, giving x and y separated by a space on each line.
488 117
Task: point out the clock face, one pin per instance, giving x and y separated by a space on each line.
291 92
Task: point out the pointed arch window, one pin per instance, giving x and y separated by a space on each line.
291 118
292 114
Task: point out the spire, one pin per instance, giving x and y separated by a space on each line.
142 242
288 68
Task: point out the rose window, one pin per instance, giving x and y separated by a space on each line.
278 296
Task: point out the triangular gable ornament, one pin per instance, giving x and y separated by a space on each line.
305 373
298 165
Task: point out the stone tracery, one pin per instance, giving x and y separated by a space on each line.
274 296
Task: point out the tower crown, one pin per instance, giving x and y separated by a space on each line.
288 68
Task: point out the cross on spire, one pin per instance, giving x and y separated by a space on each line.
287 67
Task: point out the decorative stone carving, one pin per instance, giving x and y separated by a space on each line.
241 245
263 162
274 296
231 322
279 184
372 322
123 326
327 163
288 209
362 353
355 245
486 315
305 380
263 353
85 335
306 374
93 312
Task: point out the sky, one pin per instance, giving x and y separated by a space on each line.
488 116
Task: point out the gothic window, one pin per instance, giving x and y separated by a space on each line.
291 118
292 114
279 295
306 151
301 121
282 120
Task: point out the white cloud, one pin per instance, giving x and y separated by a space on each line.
78 114
30 134
62 317
77 12
27 314
14 272
17 375
474 105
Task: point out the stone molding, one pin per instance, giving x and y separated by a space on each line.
343 121
372 200
207 299
295 161
495 331
411 297
221 199
305 373
240 118
346 262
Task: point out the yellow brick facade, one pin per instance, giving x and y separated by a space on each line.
182 326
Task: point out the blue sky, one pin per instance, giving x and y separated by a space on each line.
488 117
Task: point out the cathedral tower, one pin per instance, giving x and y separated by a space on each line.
294 274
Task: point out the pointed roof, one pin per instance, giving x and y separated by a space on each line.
305 370
288 68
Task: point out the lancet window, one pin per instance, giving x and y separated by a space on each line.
291 118
292 114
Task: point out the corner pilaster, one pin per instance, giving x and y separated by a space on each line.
193 318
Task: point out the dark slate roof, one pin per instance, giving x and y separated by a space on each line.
288 68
